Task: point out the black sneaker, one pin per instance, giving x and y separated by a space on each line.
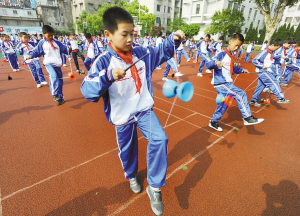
56 98
60 102
252 120
283 100
215 126
254 103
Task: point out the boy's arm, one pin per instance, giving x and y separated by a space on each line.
237 70
277 55
212 63
63 49
20 49
38 51
258 61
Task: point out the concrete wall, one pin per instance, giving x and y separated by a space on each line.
19 17
291 15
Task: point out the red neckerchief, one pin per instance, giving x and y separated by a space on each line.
25 44
284 51
231 62
50 43
134 73
204 41
7 43
270 52
90 43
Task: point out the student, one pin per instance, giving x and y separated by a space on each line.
179 51
171 63
128 99
250 47
2 49
24 48
10 52
92 51
222 81
240 51
202 49
209 49
63 56
218 45
51 51
293 64
73 44
191 48
146 41
100 43
264 45
263 62
159 41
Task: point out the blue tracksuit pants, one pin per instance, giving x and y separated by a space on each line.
170 63
247 57
156 150
238 94
64 58
13 60
88 62
37 72
55 80
208 53
289 71
197 55
266 79
203 61
276 71
179 52
239 54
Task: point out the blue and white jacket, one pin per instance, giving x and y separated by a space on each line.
250 47
181 46
263 46
121 102
21 50
291 53
202 47
263 59
146 42
222 75
92 49
74 44
50 56
277 56
8 47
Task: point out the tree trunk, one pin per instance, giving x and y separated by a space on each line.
271 27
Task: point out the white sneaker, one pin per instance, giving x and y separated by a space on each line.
165 79
252 120
200 75
159 68
14 70
18 69
178 65
64 65
178 74
44 83
188 60
208 71
77 71
39 85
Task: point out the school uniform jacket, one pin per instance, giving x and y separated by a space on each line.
92 49
121 100
7 47
250 47
27 51
73 44
263 59
202 47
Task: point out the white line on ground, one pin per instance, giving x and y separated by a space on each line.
1 210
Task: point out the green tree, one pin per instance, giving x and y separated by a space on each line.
262 35
178 23
250 33
191 29
264 7
291 32
226 22
296 35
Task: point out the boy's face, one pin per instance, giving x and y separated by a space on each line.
234 45
89 39
273 47
48 36
60 39
25 38
6 38
221 41
298 47
122 38
286 45
72 37
206 38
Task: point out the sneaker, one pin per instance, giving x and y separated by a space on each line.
64 65
188 60
208 71
165 79
18 69
39 85
267 90
178 65
284 84
77 71
283 100
134 185
159 68
60 101
156 203
14 70
254 103
215 126
252 120
200 75
44 83
56 98
178 74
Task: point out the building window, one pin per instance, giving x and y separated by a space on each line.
13 1
76 9
62 14
258 22
81 6
29 12
229 5
15 12
197 8
99 6
246 30
164 21
158 8
242 8
249 15
296 19
236 6
91 6
49 24
157 19
288 19
45 10
169 9
3 22
19 22
293 8
255 13
56 24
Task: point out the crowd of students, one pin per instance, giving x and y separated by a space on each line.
128 95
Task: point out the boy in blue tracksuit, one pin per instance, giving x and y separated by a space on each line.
10 52
64 56
2 50
293 64
92 51
179 51
171 63
128 99
263 63
249 49
73 44
202 49
24 48
223 65
51 50
240 51
209 48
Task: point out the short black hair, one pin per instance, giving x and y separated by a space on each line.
47 29
201 38
55 37
235 36
277 42
266 41
22 33
222 38
168 33
41 35
288 40
208 35
146 34
113 16
72 34
159 34
88 35
163 37
98 33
